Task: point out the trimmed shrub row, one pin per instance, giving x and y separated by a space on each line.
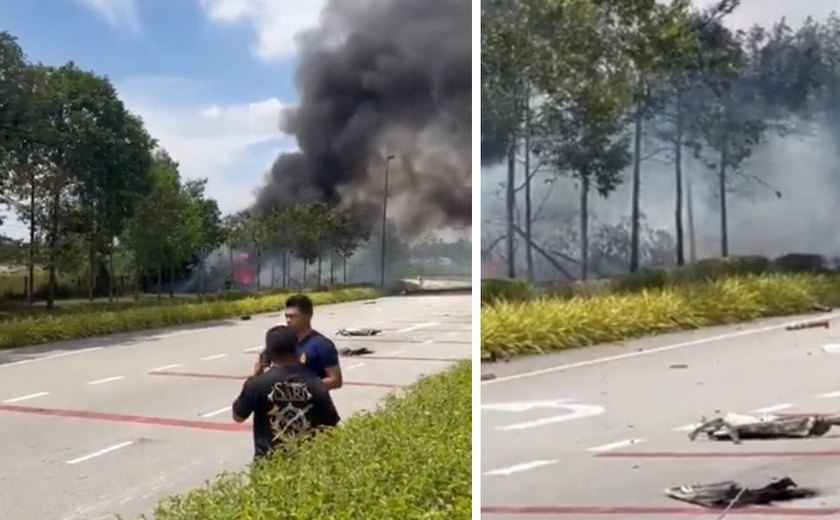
411 459
705 270
32 330
547 324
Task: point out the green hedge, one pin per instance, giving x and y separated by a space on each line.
411 459
706 270
547 324
31 330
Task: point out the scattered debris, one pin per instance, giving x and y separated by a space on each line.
372 302
679 365
494 356
738 426
729 494
355 351
808 325
488 377
833 348
245 318
358 332
820 308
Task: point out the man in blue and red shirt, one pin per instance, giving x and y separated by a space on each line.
315 351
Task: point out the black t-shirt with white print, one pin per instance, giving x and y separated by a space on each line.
288 402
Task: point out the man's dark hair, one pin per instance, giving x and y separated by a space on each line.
280 343
300 302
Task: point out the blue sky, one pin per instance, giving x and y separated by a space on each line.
209 77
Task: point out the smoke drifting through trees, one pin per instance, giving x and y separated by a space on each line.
780 199
381 78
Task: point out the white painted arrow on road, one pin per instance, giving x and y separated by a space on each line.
573 411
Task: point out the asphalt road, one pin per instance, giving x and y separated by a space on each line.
89 429
600 432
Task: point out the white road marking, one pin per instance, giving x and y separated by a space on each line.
106 380
99 453
429 341
828 395
26 397
254 349
397 352
165 367
833 348
615 445
217 412
520 467
774 408
211 358
418 327
357 365
51 356
656 350
575 411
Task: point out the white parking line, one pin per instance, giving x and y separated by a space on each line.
165 367
418 327
774 408
357 365
101 452
106 380
217 412
254 349
26 397
828 395
51 356
211 358
615 445
520 467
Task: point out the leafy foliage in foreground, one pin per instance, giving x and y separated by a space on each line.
411 459
546 324
41 329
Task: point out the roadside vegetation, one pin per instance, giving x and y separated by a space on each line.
410 459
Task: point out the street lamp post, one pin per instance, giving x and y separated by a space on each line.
384 217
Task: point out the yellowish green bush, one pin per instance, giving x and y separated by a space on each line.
411 459
43 328
547 324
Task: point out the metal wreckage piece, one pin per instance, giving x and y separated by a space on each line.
738 426
358 332
729 494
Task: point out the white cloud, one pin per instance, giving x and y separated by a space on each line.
768 12
276 22
231 145
118 13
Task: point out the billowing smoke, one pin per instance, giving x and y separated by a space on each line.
382 78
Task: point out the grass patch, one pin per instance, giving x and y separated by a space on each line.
34 329
548 324
411 459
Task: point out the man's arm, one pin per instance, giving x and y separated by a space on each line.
243 406
325 412
332 367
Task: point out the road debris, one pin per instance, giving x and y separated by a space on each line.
488 377
740 426
729 494
361 331
820 308
245 317
809 325
679 365
348 352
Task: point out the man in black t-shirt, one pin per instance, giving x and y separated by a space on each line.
288 401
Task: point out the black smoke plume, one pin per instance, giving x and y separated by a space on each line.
380 78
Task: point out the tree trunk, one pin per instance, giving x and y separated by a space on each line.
111 275
724 233
273 272
511 206
160 282
30 290
137 275
56 201
285 268
172 277
232 269
320 256
584 227
332 266
344 267
202 277
259 267
529 250
689 198
637 178
304 273
678 210
92 255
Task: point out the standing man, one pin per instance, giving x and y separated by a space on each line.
315 351
288 402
